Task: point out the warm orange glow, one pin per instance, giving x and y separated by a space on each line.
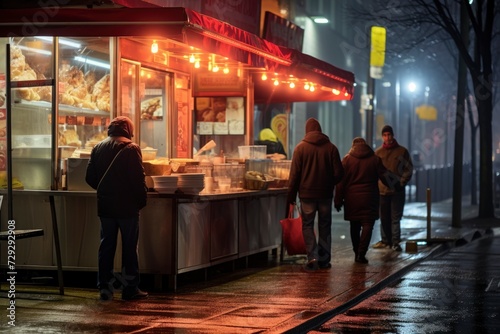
306 86
197 64
292 85
264 76
276 82
154 47
192 59
335 91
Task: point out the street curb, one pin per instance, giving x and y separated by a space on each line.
443 246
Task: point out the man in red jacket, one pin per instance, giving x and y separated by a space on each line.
316 169
115 170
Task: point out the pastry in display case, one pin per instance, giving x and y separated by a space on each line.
83 93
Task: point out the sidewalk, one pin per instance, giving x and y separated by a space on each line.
267 299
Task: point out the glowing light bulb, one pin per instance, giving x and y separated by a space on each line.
154 47
306 86
225 70
264 76
335 91
292 85
276 82
312 88
197 64
216 68
192 59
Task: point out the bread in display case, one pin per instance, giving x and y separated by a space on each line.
84 110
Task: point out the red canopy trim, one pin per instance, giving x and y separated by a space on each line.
193 29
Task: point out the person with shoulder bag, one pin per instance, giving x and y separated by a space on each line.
115 170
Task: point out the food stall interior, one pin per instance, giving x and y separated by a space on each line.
185 80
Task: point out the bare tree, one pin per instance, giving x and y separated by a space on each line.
433 18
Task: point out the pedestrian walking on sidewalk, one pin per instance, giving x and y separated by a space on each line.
115 170
397 160
316 169
359 195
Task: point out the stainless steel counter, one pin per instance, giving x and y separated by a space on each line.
178 232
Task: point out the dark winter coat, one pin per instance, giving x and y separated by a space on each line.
122 192
316 166
358 191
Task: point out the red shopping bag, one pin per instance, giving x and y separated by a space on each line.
292 233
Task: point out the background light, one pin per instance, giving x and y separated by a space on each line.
320 19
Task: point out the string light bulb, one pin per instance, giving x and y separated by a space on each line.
276 82
225 70
306 86
192 59
154 47
197 64
335 91
292 85
264 77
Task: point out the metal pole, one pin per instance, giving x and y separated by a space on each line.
370 110
428 214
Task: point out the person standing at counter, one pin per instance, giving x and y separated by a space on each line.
274 148
316 169
115 170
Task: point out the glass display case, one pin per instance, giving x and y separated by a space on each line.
81 78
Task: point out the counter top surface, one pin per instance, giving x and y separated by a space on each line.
177 195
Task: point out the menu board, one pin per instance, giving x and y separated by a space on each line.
220 115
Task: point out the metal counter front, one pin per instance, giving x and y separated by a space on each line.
178 233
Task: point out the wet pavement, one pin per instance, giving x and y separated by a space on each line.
258 296
455 292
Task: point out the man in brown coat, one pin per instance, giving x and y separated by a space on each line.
397 160
316 169
359 195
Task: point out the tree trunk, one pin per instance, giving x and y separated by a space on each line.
473 148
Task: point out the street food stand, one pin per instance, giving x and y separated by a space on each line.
185 79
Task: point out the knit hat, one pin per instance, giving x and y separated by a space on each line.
312 124
267 135
387 128
358 140
121 126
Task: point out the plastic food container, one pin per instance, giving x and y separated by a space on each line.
149 153
252 151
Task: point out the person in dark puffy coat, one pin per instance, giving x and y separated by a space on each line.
115 170
358 193
316 169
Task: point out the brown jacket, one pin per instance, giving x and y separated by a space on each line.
316 166
398 162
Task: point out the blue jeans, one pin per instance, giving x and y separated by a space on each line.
391 212
320 250
129 276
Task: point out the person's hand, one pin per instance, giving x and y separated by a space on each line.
338 207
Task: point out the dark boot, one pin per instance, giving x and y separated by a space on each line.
361 259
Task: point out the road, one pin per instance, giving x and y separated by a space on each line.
455 292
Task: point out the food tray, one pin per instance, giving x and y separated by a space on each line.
252 184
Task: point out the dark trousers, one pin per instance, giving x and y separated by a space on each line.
361 235
129 276
391 212
320 250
